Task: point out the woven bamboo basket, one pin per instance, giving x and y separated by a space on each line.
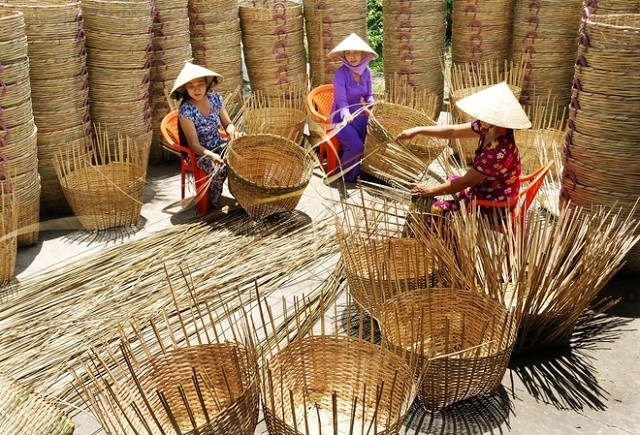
13 50
22 411
387 120
28 194
104 190
8 226
468 337
11 24
15 72
195 376
335 384
16 93
267 173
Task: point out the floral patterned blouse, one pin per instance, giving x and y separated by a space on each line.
500 161
206 126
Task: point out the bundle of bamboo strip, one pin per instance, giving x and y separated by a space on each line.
308 383
18 132
195 372
22 411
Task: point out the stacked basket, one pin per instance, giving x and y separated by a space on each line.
18 145
481 31
209 19
545 36
171 49
267 173
118 45
273 42
414 35
327 23
604 7
602 159
59 87
8 233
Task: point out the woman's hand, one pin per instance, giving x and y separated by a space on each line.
418 189
217 160
233 132
408 133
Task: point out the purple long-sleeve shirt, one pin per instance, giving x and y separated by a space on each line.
348 95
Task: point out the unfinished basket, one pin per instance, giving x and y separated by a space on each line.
383 154
267 173
188 375
335 384
104 187
22 411
467 337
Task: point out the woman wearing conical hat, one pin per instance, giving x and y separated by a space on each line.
200 116
495 172
352 89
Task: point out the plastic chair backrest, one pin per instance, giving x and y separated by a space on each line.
169 130
526 195
319 102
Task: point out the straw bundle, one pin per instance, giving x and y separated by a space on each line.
326 381
386 121
481 31
104 188
283 116
414 36
327 23
25 412
119 68
8 227
605 99
203 381
208 20
267 173
57 53
544 37
467 79
467 337
272 40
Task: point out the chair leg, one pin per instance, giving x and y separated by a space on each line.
332 155
202 191
182 182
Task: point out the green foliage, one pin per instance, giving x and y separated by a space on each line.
374 25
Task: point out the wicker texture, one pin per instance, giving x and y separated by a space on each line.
22 411
267 173
105 188
387 120
602 130
335 384
414 35
468 338
327 23
8 223
282 116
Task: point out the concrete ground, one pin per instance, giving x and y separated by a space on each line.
591 387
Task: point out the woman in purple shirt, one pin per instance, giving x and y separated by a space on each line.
352 90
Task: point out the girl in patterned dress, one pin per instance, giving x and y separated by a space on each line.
352 88
495 172
200 116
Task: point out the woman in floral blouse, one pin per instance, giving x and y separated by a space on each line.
496 168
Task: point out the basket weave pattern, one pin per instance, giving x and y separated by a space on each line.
267 173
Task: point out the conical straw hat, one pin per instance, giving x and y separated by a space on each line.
497 106
192 71
351 43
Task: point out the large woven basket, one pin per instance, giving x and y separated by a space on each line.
267 173
8 222
104 188
381 153
467 337
335 384
22 411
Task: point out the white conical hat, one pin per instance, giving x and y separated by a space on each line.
497 106
192 71
351 43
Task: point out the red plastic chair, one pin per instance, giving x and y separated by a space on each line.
525 197
171 138
319 102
